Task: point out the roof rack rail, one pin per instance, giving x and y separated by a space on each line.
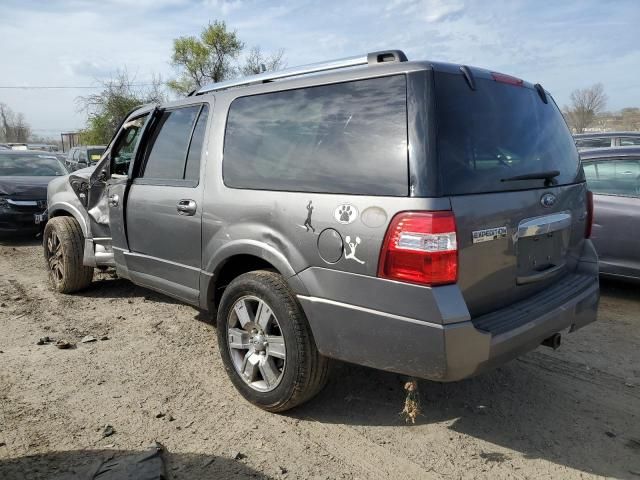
369 59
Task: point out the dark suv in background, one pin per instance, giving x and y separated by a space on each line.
418 217
84 156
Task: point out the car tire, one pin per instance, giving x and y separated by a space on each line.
63 244
302 372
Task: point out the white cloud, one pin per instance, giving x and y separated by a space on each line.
431 11
564 45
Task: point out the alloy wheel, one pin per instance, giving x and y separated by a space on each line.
55 258
256 343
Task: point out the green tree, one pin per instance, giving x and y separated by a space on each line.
108 108
207 59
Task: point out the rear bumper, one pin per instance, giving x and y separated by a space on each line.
448 347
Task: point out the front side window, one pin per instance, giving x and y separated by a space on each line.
613 177
348 138
122 152
171 149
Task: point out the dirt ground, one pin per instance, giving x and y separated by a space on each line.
573 413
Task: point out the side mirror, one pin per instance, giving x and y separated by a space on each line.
82 164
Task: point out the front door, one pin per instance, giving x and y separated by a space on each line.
121 157
164 205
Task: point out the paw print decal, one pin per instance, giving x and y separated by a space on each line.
345 214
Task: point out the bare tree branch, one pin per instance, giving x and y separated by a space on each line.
586 104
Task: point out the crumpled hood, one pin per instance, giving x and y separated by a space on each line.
25 187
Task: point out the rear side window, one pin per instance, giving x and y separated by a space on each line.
629 141
348 138
613 177
593 142
487 136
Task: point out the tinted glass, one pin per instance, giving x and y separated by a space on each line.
497 132
603 142
614 177
167 150
192 170
629 141
344 138
122 152
30 166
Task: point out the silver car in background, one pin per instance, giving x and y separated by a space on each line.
613 175
586 141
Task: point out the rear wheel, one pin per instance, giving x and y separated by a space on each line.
63 244
266 344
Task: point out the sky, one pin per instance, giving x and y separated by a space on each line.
561 44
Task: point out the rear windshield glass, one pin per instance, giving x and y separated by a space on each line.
95 154
30 166
497 132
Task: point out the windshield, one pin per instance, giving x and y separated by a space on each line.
497 132
30 166
94 154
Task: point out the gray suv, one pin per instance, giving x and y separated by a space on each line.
417 217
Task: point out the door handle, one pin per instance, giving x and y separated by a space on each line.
114 200
187 207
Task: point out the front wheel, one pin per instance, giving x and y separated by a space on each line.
266 343
63 244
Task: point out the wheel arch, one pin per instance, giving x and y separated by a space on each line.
236 258
63 209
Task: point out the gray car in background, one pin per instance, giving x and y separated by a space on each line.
613 175
418 217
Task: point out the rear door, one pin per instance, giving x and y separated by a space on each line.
164 205
616 227
511 170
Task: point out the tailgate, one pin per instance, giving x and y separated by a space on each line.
511 246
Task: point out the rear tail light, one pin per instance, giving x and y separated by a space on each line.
589 224
502 78
420 247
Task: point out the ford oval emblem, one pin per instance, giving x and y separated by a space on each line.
548 200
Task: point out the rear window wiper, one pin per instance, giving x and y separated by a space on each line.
547 176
